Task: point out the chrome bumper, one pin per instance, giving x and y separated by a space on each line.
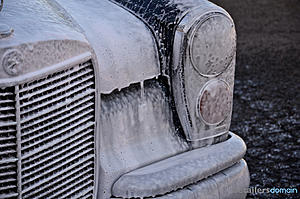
230 183
217 171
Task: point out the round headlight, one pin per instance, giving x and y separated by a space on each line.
214 103
213 44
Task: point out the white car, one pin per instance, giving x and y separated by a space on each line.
118 99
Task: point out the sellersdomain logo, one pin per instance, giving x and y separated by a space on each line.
274 190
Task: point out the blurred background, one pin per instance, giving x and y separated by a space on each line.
266 112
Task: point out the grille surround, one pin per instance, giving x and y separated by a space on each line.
54 131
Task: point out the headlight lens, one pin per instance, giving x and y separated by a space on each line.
214 103
213 45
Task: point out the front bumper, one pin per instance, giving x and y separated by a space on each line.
230 183
217 171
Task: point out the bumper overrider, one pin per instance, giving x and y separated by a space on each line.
217 171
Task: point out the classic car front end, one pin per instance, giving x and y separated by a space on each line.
118 99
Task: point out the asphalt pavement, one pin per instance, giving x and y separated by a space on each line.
266 111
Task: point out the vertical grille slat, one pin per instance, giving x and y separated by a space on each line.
8 145
57 124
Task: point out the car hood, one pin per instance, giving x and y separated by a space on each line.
124 46
48 32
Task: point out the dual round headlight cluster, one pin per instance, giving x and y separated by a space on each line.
212 48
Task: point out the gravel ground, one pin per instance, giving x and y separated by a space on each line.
267 90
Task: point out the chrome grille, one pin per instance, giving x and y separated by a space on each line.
8 146
57 122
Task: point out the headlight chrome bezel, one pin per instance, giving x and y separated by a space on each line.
188 83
